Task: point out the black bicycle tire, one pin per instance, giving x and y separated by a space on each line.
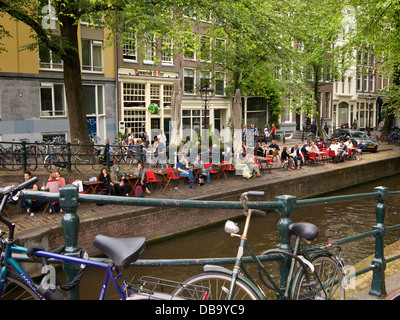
204 280
49 164
19 290
80 163
299 279
10 161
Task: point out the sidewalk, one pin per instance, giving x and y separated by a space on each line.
26 224
86 210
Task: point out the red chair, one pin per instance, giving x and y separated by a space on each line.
172 176
151 177
312 157
208 165
332 155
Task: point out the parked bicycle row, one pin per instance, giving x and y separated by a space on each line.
56 155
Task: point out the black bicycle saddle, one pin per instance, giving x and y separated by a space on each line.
304 230
122 251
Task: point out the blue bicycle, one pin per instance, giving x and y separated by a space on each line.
16 284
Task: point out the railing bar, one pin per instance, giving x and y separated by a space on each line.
357 237
307 202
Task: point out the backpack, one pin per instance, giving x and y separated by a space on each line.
139 191
201 181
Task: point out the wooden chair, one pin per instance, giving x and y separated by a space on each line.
332 155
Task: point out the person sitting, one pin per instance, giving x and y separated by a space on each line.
123 183
304 152
297 156
274 149
107 183
59 178
313 148
240 164
342 151
286 157
140 172
258 150
334 147
31 205
183 171
53 185
203 171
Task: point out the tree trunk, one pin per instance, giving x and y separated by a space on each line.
73 82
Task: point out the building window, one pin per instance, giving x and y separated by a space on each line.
167 96
133 94
166 54
189 52
372 82
94 101
92 56
191 122
129 49
204 79
52 100
220 84
205 48
135 121
48 60
327 104
188 80
149 49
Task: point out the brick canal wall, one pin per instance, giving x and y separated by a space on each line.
156 222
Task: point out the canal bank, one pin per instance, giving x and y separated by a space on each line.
156 222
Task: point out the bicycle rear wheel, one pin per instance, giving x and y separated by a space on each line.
12 161
17 289
328 276
84 162
219 284
54 162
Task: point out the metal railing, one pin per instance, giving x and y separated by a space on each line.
25 155
285 205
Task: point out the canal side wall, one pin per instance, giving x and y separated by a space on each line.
158 222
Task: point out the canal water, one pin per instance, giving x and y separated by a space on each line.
335 221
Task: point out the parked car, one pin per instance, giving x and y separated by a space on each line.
357 136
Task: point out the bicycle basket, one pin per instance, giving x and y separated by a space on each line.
149 288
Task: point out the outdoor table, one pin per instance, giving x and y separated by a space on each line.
221 169
268 162
130 180
196 171
166 181
91 186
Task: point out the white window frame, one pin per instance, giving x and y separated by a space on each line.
166 53
194 80
91 67
129 50
149 49
51 114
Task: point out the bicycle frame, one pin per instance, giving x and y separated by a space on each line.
9 260
249 279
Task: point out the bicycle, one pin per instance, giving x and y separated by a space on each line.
394 295
314 272
16 284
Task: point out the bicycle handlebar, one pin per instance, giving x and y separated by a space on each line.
256 193
7 193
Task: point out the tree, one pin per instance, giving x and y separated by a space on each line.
378 26
320 58
143 16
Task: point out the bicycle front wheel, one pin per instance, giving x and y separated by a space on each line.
17 289
394 295
328 276
219 284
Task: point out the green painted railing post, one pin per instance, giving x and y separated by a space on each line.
288 206
70 228
378 286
